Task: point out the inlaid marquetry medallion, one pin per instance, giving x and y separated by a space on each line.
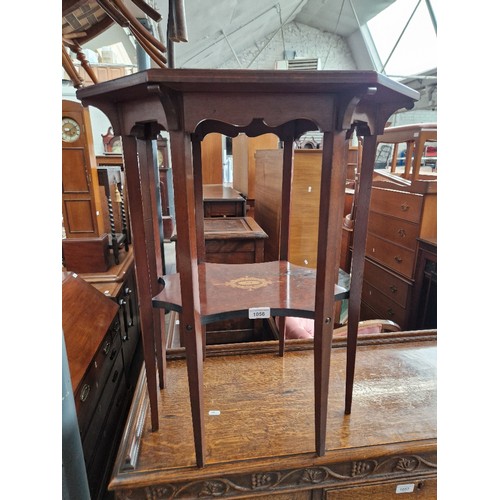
248 283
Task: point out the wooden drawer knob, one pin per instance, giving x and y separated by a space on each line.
398 259
405 207
402 232
393 288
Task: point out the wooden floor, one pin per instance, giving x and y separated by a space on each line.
260 412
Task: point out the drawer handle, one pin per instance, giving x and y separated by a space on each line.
113 354
402 232
106 348
115 376
390 312
405 207
84 393
393 288
398 259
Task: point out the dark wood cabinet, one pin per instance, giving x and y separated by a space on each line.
426 284
101 330
119 284
91 327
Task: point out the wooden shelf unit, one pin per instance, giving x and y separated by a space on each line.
191 104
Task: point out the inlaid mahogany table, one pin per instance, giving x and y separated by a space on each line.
191 103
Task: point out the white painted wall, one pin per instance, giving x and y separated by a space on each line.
307 42
414 116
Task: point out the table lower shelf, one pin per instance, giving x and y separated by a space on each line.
230 290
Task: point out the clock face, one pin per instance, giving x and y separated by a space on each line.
70 130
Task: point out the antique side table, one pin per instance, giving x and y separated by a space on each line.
191 103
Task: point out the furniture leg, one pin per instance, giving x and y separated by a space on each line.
286 190
146 149
155 187
285 219
198 196
142 269
333 176
194 360
357 265
187 266
199 215
281 333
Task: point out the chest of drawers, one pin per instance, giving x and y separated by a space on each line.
397 219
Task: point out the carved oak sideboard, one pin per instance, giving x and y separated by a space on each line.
260 420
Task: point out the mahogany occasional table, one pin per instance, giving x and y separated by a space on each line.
191 103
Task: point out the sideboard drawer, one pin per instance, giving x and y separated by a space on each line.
88 392
102 458
395 257
102 409
406 487
401 204
388 283
399 231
